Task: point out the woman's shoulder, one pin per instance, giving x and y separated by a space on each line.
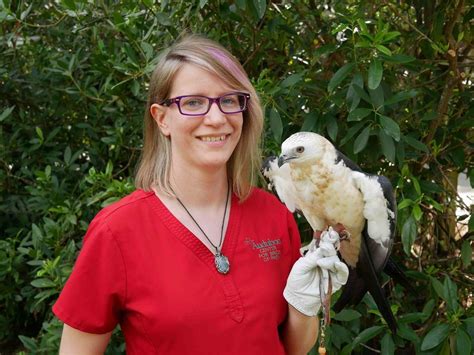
127 206
259 198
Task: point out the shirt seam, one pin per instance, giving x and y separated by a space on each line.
114 238
116 208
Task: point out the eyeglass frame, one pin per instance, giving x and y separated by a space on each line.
211 100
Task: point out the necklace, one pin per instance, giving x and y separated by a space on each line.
220 260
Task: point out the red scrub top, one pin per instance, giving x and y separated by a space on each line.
141 268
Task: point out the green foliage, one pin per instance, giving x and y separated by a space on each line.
390 83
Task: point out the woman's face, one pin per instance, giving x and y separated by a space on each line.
199 142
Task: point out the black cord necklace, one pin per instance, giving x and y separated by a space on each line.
220 260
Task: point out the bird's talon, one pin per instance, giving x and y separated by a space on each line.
344 235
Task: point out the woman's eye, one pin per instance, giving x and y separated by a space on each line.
229 101
194 102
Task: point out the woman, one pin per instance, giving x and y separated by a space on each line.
195 260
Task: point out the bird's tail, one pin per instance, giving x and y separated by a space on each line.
393 270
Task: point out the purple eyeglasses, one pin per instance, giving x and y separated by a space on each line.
198 105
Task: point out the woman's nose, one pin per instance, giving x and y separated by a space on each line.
215 115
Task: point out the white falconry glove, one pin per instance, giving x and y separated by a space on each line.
302 289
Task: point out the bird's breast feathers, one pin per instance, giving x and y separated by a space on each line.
328 192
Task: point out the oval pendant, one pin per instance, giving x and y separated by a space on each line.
222 263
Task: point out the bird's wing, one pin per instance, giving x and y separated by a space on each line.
379 207
364 277
376 242
347 162
279 180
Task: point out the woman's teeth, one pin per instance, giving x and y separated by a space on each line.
213 139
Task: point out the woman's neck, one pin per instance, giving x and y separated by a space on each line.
198 188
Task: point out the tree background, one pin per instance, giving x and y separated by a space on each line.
389 82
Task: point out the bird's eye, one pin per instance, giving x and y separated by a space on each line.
299 149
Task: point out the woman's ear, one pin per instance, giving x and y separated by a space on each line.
158 112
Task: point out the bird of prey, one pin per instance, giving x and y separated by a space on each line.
329 190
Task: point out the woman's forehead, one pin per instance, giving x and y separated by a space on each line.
194 80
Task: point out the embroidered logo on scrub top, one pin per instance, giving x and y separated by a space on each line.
267 249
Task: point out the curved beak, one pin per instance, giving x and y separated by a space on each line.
282 159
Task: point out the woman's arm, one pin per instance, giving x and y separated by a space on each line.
300 332
75 342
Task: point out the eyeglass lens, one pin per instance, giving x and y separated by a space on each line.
195 105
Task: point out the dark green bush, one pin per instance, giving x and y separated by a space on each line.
389 82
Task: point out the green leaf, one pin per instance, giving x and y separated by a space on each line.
387 345
383 49
346 350
36 232
361 141
163 19
377 98
42 283
6 112
39 132
428 308
405 203
463 342
324 49
388 146
390 127
469 322
435 336
25 13
340 335
340 75
309 122
408 234
67 155
260 6
291 80
416 212
109 168
70 4
391 35
351 132
450 291
202 3
416 185
415 143
466 253
411 317
362 26
367 334
347 315
375 74
332 128
352 97
29 343
241 4
401 96
438 287
358 114
400 58
362 94
276 125
406 332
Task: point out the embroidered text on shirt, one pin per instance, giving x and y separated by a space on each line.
267 249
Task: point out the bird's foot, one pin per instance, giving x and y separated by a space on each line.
344 234
317 237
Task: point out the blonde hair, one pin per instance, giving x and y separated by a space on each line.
155 161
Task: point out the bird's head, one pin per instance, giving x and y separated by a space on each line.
302 147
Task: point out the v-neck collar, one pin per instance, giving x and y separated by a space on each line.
231 293
180 231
